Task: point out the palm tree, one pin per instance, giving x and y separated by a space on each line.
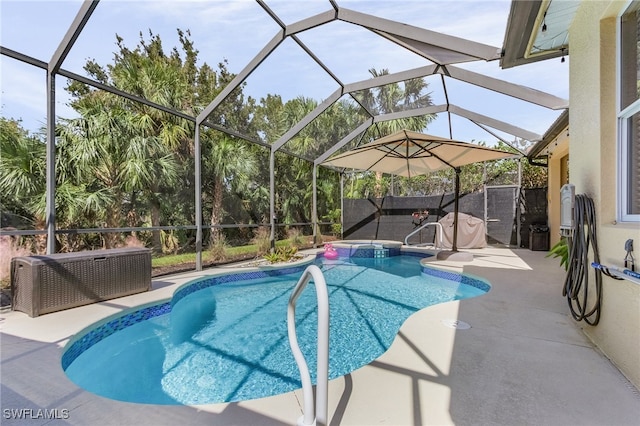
230 166
22 178
164 80
393 98
22 166
138 150
22 183
109 151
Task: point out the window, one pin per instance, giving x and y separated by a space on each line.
629 114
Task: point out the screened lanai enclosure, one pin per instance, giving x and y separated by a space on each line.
188 127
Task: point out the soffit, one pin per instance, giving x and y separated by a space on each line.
537 30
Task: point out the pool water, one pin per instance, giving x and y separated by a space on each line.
228 342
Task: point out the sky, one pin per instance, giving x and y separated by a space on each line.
236 30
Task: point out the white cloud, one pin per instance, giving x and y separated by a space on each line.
238 30
23 93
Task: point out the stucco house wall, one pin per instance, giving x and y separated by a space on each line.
557 151
592 169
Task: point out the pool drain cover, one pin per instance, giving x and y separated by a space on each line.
457 324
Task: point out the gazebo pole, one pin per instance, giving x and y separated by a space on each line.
454 254
455 211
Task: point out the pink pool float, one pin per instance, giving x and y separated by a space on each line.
330 252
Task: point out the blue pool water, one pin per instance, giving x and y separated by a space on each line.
228 342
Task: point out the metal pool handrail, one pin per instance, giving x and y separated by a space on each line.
318 414
438 226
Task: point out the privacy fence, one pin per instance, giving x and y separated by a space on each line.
510 214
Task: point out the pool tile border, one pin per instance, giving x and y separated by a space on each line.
105 330
456 277
121 322
192 286
95 335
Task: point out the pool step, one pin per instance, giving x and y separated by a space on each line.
380 253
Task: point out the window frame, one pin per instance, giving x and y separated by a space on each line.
623 117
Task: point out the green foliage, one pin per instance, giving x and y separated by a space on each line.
561 250
230 167
22 173
262 239
170 243
282 254
125 164
295 237
387 99
396 97
334 217
218 250
10 247
130 153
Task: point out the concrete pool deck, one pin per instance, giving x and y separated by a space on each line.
524 361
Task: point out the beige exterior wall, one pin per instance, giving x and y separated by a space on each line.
592 169
558 150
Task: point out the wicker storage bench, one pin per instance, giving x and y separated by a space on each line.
44 284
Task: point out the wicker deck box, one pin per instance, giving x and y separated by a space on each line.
44 284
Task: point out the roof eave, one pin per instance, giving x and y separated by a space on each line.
550 135
520 28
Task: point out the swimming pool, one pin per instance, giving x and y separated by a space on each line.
224 338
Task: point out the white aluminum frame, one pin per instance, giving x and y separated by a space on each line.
623 163
623 116
443 50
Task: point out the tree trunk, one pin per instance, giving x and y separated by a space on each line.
132 216
40 241
216 212
155 221
377 192
112 220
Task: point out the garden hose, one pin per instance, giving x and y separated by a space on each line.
576 285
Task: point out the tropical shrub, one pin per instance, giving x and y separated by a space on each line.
561 250
295 237
218 249
262 239
9 248
282 254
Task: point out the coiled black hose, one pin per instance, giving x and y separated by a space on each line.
576 284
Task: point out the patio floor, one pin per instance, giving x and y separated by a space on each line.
524 361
